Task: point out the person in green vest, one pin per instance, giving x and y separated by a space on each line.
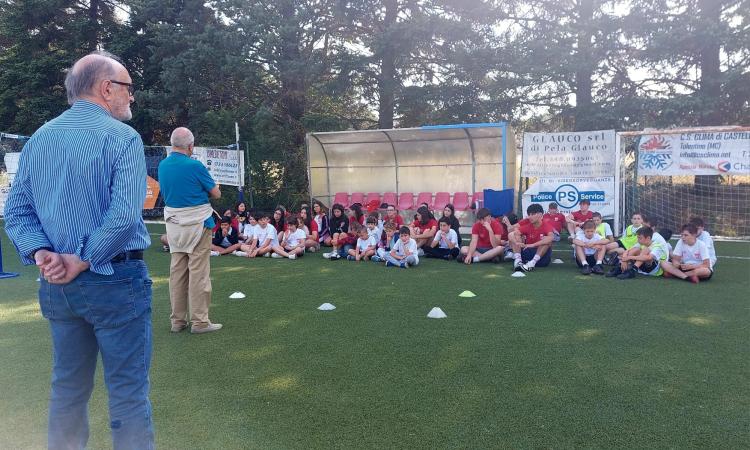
602 228
645 257
626 241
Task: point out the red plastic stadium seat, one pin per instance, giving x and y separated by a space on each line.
424 197
390 198
441 199
478 196
342 198
357 197
372 196
405 201
461 201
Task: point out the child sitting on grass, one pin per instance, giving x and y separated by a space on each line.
555 219
404 251
691 259
705 237
445 243
645 257
627 241
365 247
339 225
293 242
602 228
531 241
387 241
576 219
589 249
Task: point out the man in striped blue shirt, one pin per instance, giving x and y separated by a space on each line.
75 210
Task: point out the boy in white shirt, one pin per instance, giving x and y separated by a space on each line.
705 237
365 247
293 242
404 251
264 238
590 249
445 243
372 226
691 259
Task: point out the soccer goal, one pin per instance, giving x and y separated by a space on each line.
676 174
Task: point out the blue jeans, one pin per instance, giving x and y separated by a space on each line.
110 314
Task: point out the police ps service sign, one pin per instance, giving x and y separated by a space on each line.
568 193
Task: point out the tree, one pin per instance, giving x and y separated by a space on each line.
39 40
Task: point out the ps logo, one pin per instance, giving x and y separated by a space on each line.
567 196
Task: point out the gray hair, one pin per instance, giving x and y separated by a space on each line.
182 138
82 78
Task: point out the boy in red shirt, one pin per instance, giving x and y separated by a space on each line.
486 239
556 219
532 240
577 218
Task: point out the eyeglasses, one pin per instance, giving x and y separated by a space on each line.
130 87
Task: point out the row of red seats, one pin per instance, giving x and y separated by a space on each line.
405 200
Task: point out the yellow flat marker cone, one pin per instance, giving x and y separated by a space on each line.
467 294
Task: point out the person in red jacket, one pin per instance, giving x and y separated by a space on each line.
555 219
531 241
577 218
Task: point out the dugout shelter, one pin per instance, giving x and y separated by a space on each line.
438 164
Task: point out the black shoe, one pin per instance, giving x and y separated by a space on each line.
614 272
597 269
586 270
627 275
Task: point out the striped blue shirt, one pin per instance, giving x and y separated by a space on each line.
80 188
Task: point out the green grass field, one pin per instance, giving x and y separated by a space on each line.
553 360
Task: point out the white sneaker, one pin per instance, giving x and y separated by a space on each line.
327 255
292 256
213 253
517 265
266 255
239 253
475 259
312 249
509 256
207 329
275 255
529 266
420 252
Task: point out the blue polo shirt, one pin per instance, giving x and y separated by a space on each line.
185 182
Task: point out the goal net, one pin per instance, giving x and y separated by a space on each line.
722 199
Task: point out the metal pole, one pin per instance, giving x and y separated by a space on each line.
618 177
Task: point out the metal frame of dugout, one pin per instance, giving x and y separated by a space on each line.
441 158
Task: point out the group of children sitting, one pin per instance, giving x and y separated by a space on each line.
359 234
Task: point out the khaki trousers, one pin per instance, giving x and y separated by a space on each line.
190 284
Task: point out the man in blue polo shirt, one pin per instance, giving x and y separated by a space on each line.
186 187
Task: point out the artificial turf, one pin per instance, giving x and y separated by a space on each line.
552 360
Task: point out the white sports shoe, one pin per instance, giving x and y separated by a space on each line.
509 256
327 255
292 256
275 255
517 265
239 253
529 266
213 253
420 252
312 249
266 255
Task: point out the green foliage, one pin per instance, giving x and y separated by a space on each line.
281 69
